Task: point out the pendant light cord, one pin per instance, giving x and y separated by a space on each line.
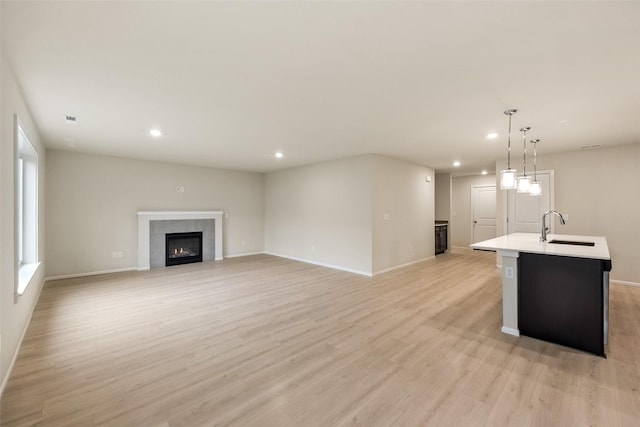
509 145
509 112
524 145
535 155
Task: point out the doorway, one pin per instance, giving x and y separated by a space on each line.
483 212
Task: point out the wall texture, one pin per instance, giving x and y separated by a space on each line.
598 189
93 200
15 310
443 197
460 225
322 213
403 213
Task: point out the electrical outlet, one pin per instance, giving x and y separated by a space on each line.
114 254
119 254
385 217
179 189
508 272
243 242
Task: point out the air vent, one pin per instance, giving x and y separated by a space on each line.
72 120
591 147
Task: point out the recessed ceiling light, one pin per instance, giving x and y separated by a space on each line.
72 120
492 135
279 155
155 133
456 163
484 172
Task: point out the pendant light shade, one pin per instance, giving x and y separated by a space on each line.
508 179
524 181
535 188
508 176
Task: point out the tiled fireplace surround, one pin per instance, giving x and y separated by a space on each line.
152 226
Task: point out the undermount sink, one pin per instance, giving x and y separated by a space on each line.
571 242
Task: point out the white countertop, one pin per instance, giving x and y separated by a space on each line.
530 242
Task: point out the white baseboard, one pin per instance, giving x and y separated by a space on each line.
244 254
91 273
121 270
510 331
7 374
622 282
386 270
321 264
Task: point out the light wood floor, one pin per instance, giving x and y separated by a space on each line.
266 341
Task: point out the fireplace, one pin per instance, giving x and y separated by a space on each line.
183 248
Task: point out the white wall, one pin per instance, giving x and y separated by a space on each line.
2 197
460 228
16 310
402 196
333 213
93 200
322 213
599 190
443 196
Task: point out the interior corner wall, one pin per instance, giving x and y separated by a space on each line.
443 197
321 214
461 215
15 311
93 202
598 189
403 213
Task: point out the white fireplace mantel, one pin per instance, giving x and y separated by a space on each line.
145 217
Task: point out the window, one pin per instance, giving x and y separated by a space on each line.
26 209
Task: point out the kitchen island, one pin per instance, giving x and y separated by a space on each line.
557 292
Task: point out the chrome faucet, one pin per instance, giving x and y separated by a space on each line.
545 229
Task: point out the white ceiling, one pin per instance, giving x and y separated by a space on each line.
230 83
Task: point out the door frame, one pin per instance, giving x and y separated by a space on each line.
495 187
552 201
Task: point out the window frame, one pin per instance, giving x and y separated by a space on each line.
26 209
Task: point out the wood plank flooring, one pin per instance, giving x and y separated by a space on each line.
265 341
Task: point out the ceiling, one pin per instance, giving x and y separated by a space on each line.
231 83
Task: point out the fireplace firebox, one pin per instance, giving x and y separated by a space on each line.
183 248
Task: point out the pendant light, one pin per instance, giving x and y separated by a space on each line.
524 181
508 176
535 188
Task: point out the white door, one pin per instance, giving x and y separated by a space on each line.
525 211
483 212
